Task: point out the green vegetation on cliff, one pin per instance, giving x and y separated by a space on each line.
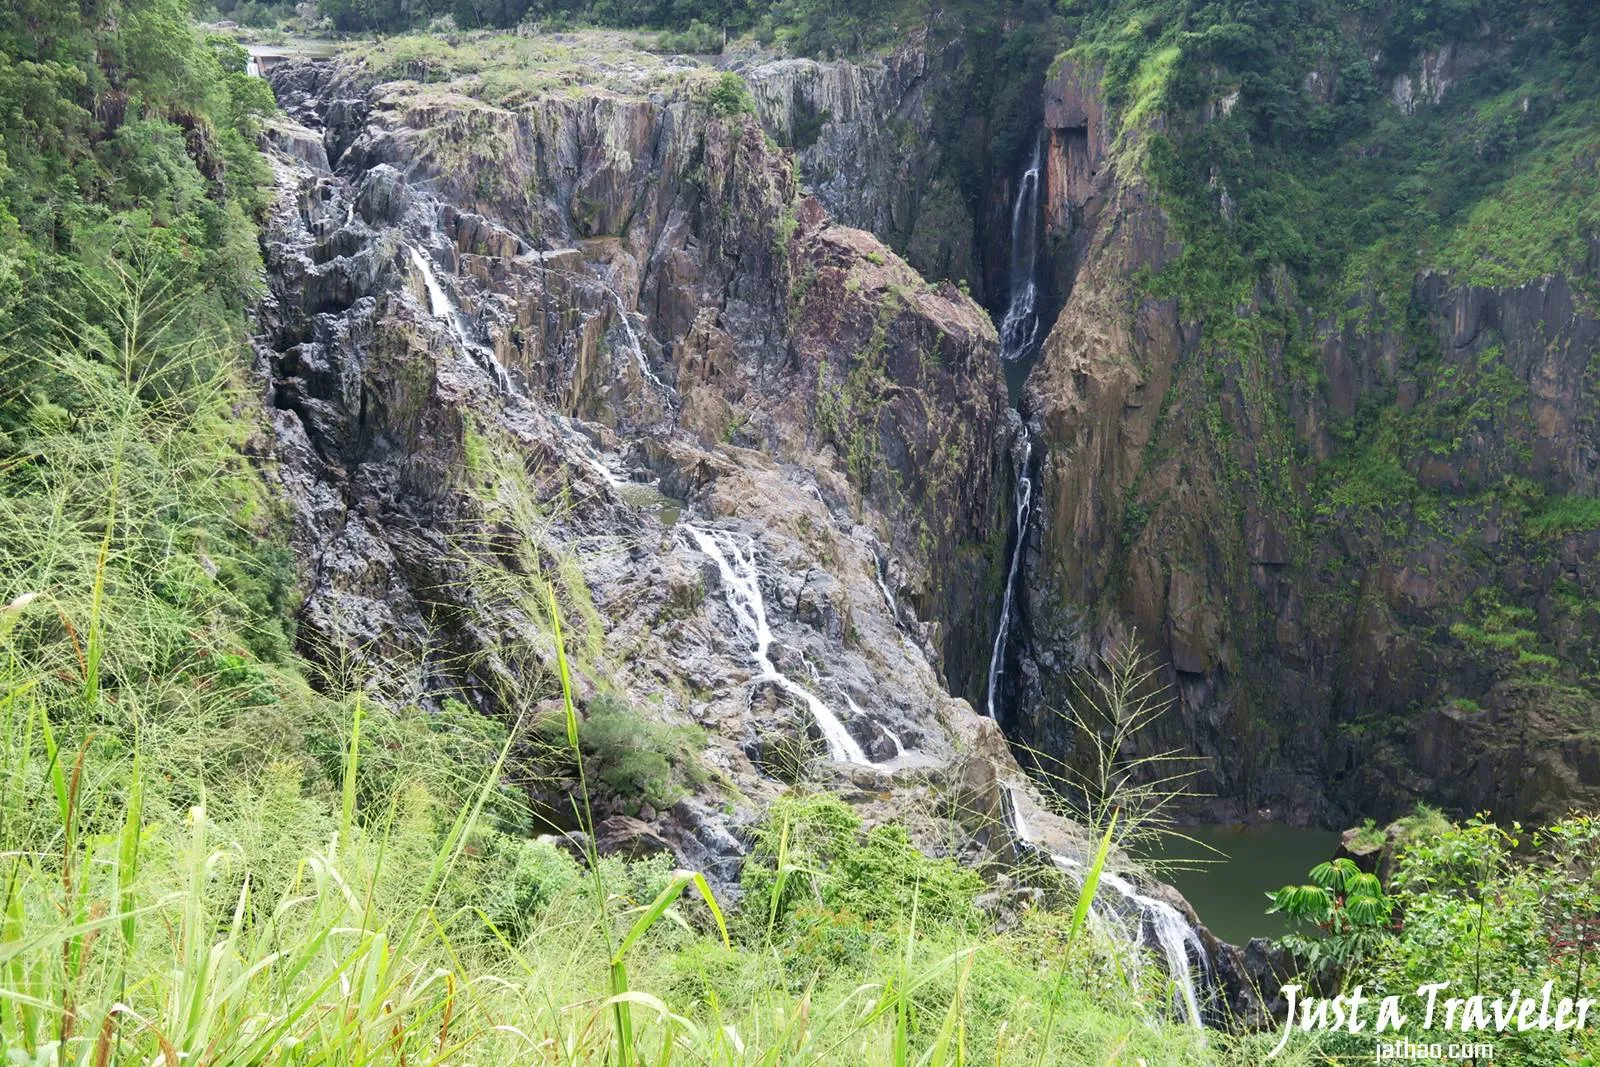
808 26
215 852
1333 170
1353 145
1336 129
128 185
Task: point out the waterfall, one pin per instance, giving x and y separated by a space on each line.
1002 631
587 453
252 66
894 738
741 584
1134 914
880 565
1019 334
1020 327
633 342
439 304
1175 937
442 307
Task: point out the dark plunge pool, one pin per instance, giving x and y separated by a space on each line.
1226 871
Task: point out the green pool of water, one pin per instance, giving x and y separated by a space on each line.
1226 871
648 498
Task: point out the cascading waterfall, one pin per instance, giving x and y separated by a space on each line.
442 307
879 567
741 583
1002 633
894 738
438 302
252 66
1019 329
1019 332
586 451
633 342
1133 914
1180 945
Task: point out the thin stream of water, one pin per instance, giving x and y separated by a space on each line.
734 556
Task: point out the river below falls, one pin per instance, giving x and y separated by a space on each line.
1226 871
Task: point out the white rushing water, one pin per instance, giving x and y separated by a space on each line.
1020 327
1118 904
633 342
1131 914
735 557
588 454
438 300
1019 331
252 66
894 738
879 566
442 307
1002 632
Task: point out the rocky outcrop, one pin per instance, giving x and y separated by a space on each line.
484 387
683 238
864 143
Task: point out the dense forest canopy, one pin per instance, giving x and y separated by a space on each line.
813 26
118 118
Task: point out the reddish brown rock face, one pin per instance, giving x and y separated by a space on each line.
1178 499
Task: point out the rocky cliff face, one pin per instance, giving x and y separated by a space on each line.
517 337
597 346
864 140
1331 655
513 351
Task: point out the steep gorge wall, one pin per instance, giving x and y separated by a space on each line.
922 145
864 138
1331 656
494 332
775 327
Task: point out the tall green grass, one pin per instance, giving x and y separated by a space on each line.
205 860
134 935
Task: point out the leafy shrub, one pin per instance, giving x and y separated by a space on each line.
639 759
1481 907
730 96
698 39
1566 514
1369 834
517 879
1346 908
812 862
